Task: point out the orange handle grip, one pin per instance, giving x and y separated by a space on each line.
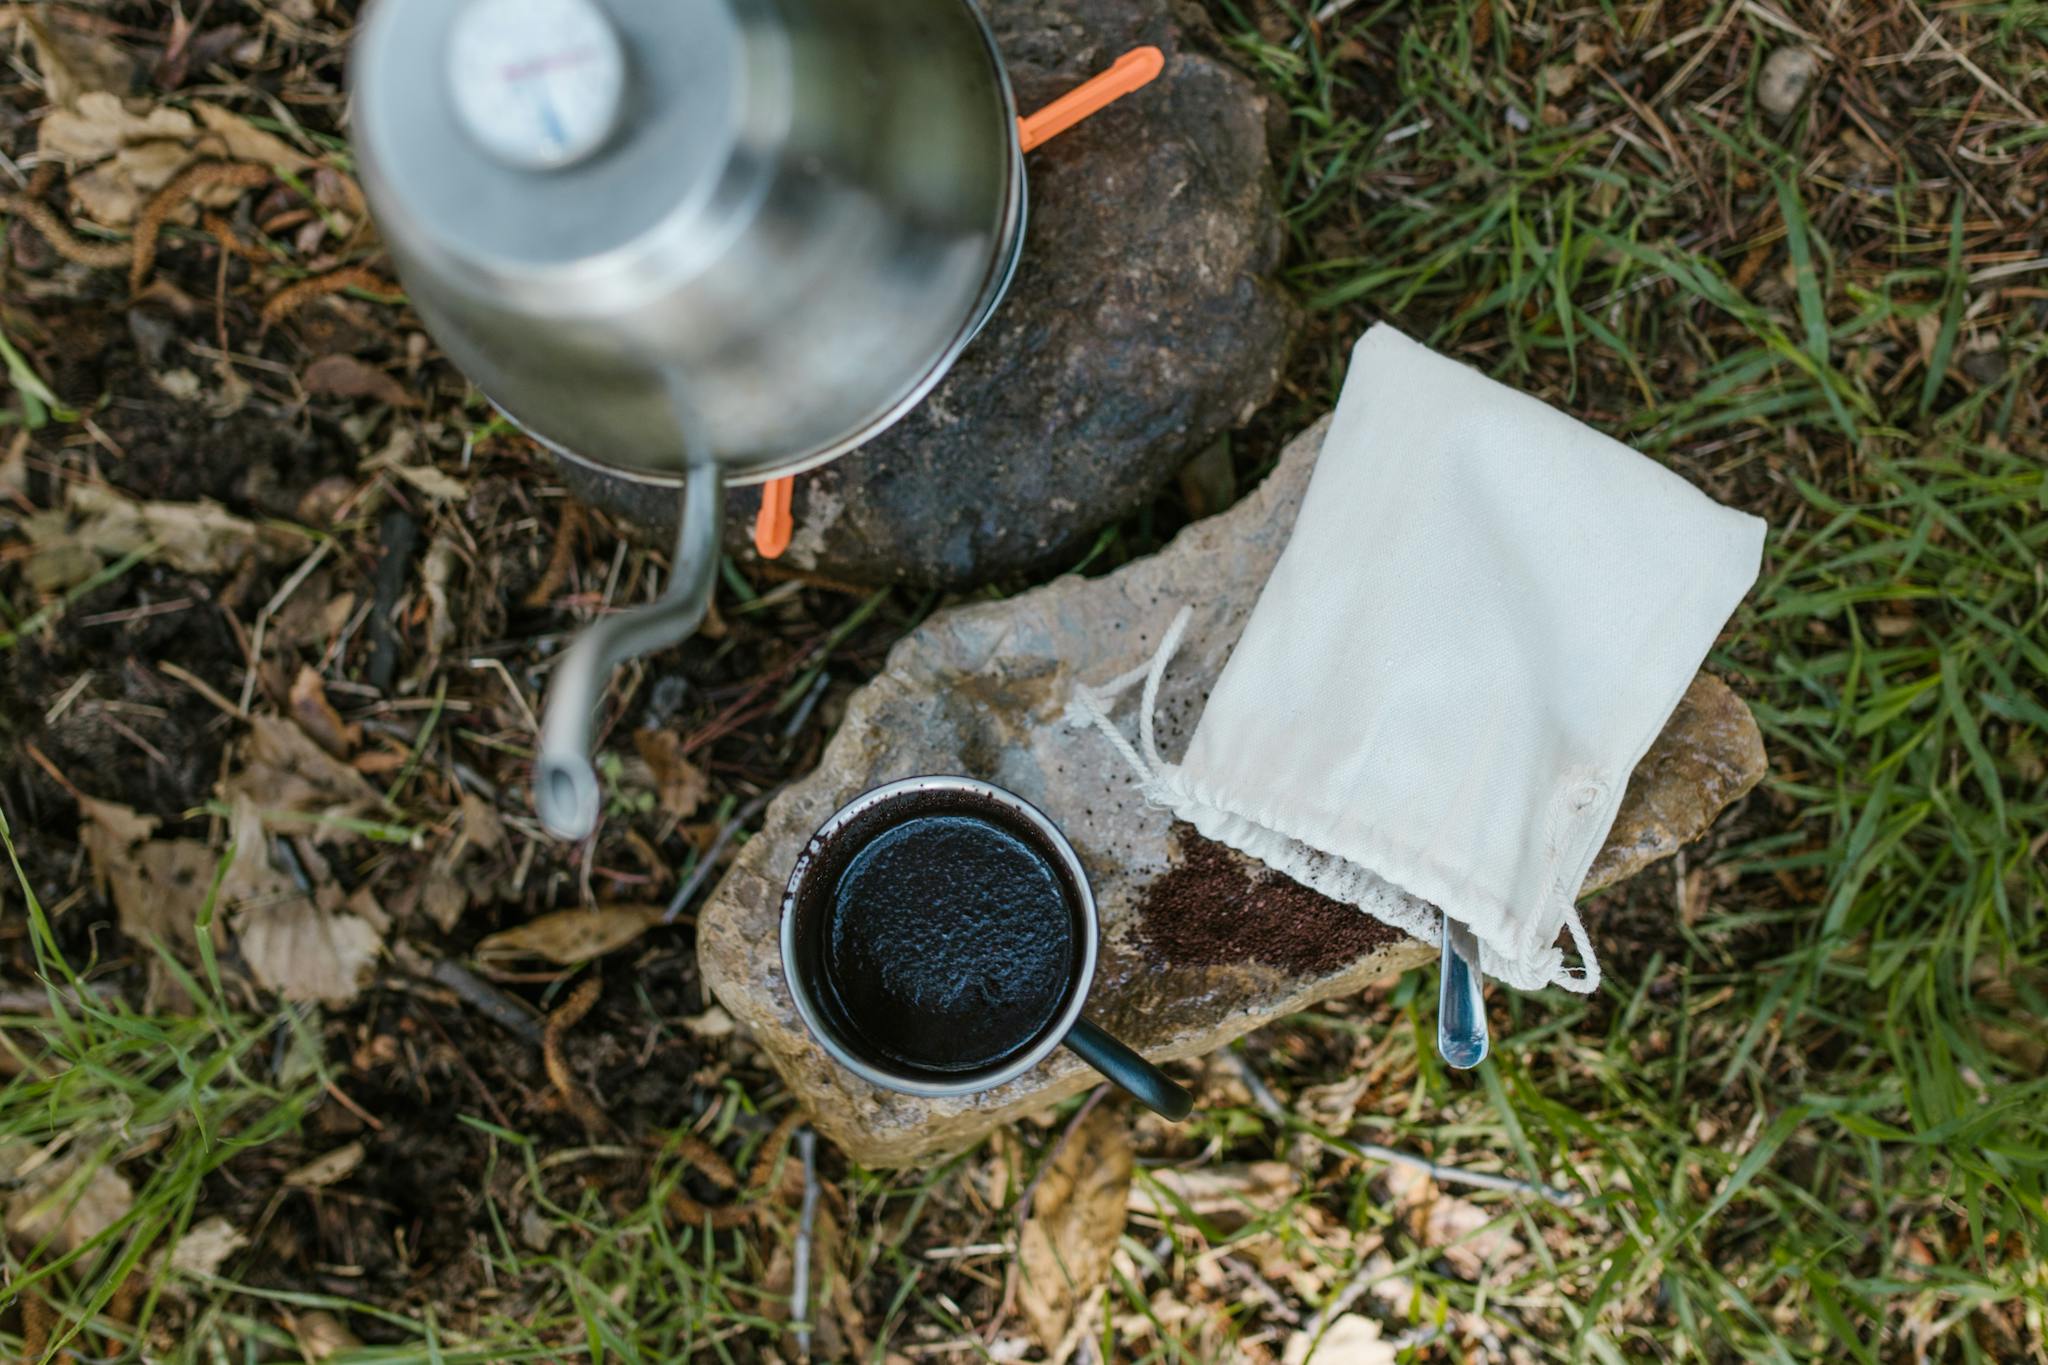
1134 70
773 525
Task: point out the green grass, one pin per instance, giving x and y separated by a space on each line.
1809 1107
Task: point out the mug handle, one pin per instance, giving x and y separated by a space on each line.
1146 1083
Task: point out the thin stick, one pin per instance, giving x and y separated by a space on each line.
204 688
499 1007
807 1217
271 608
709 862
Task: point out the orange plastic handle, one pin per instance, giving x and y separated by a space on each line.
1134 70
773 525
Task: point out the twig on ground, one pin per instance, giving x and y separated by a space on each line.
807 1217
499 1007
709 862
204 688
270 609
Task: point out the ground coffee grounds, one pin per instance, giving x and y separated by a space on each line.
1216 908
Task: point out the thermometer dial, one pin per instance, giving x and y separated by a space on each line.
538 83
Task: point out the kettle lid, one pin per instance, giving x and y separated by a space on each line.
520 141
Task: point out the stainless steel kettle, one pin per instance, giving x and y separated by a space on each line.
719 240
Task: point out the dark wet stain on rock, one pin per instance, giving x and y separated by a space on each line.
1216 907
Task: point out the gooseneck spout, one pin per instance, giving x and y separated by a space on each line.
565 787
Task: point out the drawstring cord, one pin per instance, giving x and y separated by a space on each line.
1092 705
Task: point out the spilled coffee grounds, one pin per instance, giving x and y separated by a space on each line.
1216 908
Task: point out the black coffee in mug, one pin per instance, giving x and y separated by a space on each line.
949 942
939 939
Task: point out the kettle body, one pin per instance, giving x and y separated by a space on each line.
664 233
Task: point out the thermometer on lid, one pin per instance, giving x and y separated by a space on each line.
538 83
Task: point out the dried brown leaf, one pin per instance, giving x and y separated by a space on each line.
1472 1240
284 771
321 1334
67 1203
437 486
292 945
443 898
76 64
192 537
240 140
344 376
317 716
1352 1339
679 784
329 1169
206 1246
1216 1191
568 937
158 886
1077 1216
100 125
481 825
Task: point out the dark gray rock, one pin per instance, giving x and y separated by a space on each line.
1142 323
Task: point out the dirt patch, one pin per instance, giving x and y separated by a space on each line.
1215 909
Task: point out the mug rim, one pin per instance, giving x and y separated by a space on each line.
1054 1033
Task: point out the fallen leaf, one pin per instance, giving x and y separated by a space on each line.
1076 1219
194 537
568 937
330 1169
242 140
292 945
679 784
344 376
443 898
317 716
67 1203
1215 1191
1351 1340
284 771
321 1334
1472 1240
206 1246
436 485
14 465
76 64
1561 78
481 825
100 125
158 886
712 1024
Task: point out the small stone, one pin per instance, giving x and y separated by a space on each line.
1787 75
982 691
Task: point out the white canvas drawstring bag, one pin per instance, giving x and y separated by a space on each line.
1486 613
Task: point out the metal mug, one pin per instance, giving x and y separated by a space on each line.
806 913
707 241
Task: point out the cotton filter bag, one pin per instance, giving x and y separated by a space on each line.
1485 614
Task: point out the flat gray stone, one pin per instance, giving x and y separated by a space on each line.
982 691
